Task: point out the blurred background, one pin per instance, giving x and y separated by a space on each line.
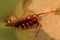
50 28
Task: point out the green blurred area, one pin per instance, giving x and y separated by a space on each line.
7 33
7 6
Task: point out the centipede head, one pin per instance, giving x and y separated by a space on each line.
11 20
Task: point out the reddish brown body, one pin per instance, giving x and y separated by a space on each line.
24 22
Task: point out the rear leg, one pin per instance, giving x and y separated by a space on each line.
38 27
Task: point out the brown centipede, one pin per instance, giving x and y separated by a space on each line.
26 22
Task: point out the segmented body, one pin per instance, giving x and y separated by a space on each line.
24 22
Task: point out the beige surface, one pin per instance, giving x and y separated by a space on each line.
51 22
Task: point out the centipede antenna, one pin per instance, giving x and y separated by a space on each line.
47 12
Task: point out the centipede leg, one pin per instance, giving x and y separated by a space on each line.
37 31
38 28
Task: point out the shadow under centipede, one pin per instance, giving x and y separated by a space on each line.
44 36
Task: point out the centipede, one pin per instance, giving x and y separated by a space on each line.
26 22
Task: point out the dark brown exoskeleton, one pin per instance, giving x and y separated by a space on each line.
26 22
